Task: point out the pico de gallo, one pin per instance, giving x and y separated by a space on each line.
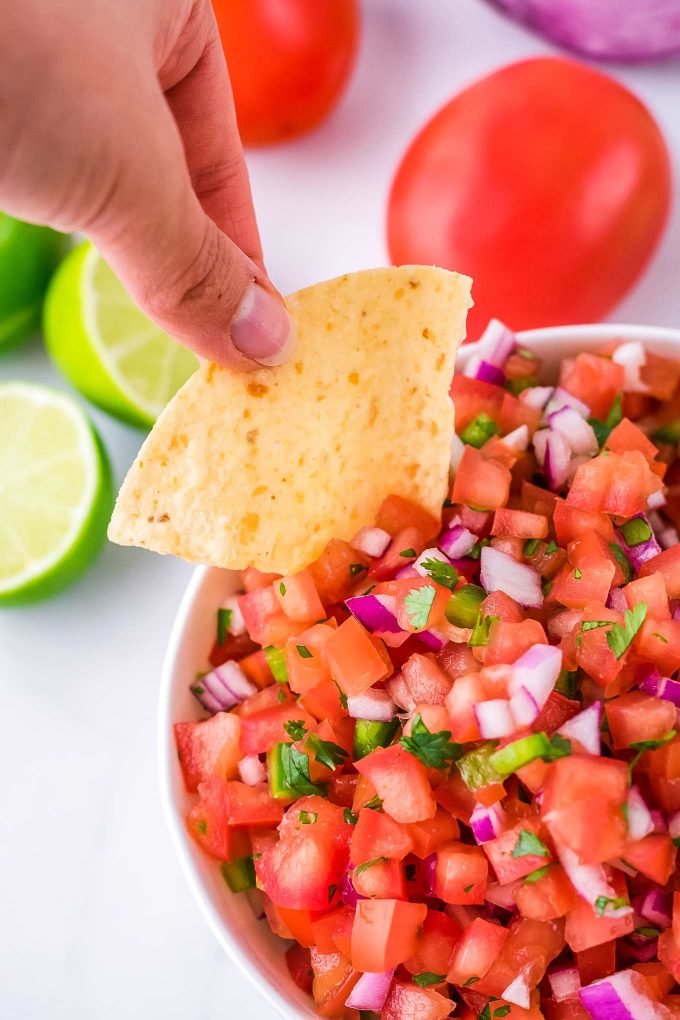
443 761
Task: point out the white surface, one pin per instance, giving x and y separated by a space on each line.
96 921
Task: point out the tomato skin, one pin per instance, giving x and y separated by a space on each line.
401 782
208 748
627 436
354 658
582 806
405 1001
437 940
208 822
461 874
384 933
299 966
425 680
500 853
480 944
524 148
570 523
663 769
654 856
536 942
427 836
261 730
384 880
397 513
308 671
480 482
288 62
548 898
378 835
667 563
298 871
638 716
331 572
333 931
334 979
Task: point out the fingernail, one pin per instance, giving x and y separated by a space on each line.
262 328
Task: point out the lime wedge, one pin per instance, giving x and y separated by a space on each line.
28 257
106 347
55 492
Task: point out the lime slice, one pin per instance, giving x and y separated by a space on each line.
106 347
28 257
55 492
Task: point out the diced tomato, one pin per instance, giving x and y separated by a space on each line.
261 730
333 931
265 621
300 870
597 962
401 782
306 659
660 375
299 966
654 856
342 787
354 659
659 642
508 641
479 946
583 806
473 397
571 522
425 680
252 579
519 524
663 769
378 835
585 928
298 597
615 483
298 923
383 880
437 940
499 604
556 711
536 500
546 898
323 702
428 835
208 748
335 572
657 981
234 646
589 549
568 1009
536 942
651 590
251 806
455 797
495 449
334 979
575 587
409 605
481 483
514 412
396 514
329 820
669 952
456 659
667 563
638 716
385 933
502 852
406 1001
466 692
596 381
592 650
627 436
257 669
461 873
208 823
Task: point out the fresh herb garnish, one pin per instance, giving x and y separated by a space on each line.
603 902
530 546
303 651
656 634
441 572
374 804
369 864
529 843
350 819
648 933
594 624
620 637
468 888
560 747
578 574
295 728
649 745
356 568
202 826
434 750
332 889
326 752
502 1011
623 561
223 624
470 981
603 429
552 547
341 695
281 697
295 765
428 978
418 603
480 631
408 553
536 875
476 550
308 817
282 588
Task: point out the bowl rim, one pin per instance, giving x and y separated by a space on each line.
227 939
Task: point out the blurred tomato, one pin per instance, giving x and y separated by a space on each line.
547 182
288 61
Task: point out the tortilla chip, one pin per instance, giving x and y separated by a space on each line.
263 469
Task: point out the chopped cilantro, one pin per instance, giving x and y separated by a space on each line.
470 981
303 652
620 637
529 843
295 728
551 547
308 817
602 429
369 864
202 826
623 561
332 889
447 504
374 804
648 933
594 624
536 875
567 683
341 695
326 752
486 1013
350 819
282 588
295 765
603 902
468 888
434 750
649 745
197 689
418 603
578 574
223 624
480 631
428 978
636 531
530 546
281 697
656 634
441 572
502 1011
408 553
560 747
546 587
356 568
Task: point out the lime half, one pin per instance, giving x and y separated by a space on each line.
106 347
28 257
55 492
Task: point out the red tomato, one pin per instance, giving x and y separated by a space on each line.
208 823
300 967
425 680
461 874
334 979
288 62
406 1001
331 573
570 523
627 436
650 589
401 782
384 933
667 563
397 513
525 156
501 850
663 768
437 940
261 730
354 658
596 962
548 898
479 946
428 835
638 716
481 483
299 598
520 524
307 671
654 856
384 880
585 929
208 748
378 835
536 942
583 806
300 870
333 931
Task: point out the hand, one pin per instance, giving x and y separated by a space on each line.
117 120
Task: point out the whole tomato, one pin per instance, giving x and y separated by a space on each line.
288 61
547 182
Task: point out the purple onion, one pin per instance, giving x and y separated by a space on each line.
502 895
632 358
373 704
499 572
371 991
487 372
251 770
668 537
408 571
223 687
639 554
494 718
518 991
655 502
655 906
575 430
456 542
487 823
537 671
494 346
518 439
524 708
433 640
540 443
590 881
564 983
674 825
457 451
645 30
661 687
372 541
537 396
642 949
620 997
616 600
585 728
563 398
375 613
556 461
640 822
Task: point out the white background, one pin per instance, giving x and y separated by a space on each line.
96 922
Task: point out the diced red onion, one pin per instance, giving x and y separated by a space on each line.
429 554
655 502
540 443
632 357
499 572
578 434
457 451
486 372
225 686
621 997
537 396
496 343
661 687
590 881
537 671
674 825
407 571
433 639
502 895
375 612
372 541
236 623
518 991
348 894
668 537
639 554
487 823
494 718
585 728
562 398
370 991
675 612
640 822
252 770
616 600
456 542
564 983
372 704
659 820
524 708
642 949
556 460
656 907
518 439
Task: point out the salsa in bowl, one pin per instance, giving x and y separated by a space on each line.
440 764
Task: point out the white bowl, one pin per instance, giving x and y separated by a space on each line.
248 942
